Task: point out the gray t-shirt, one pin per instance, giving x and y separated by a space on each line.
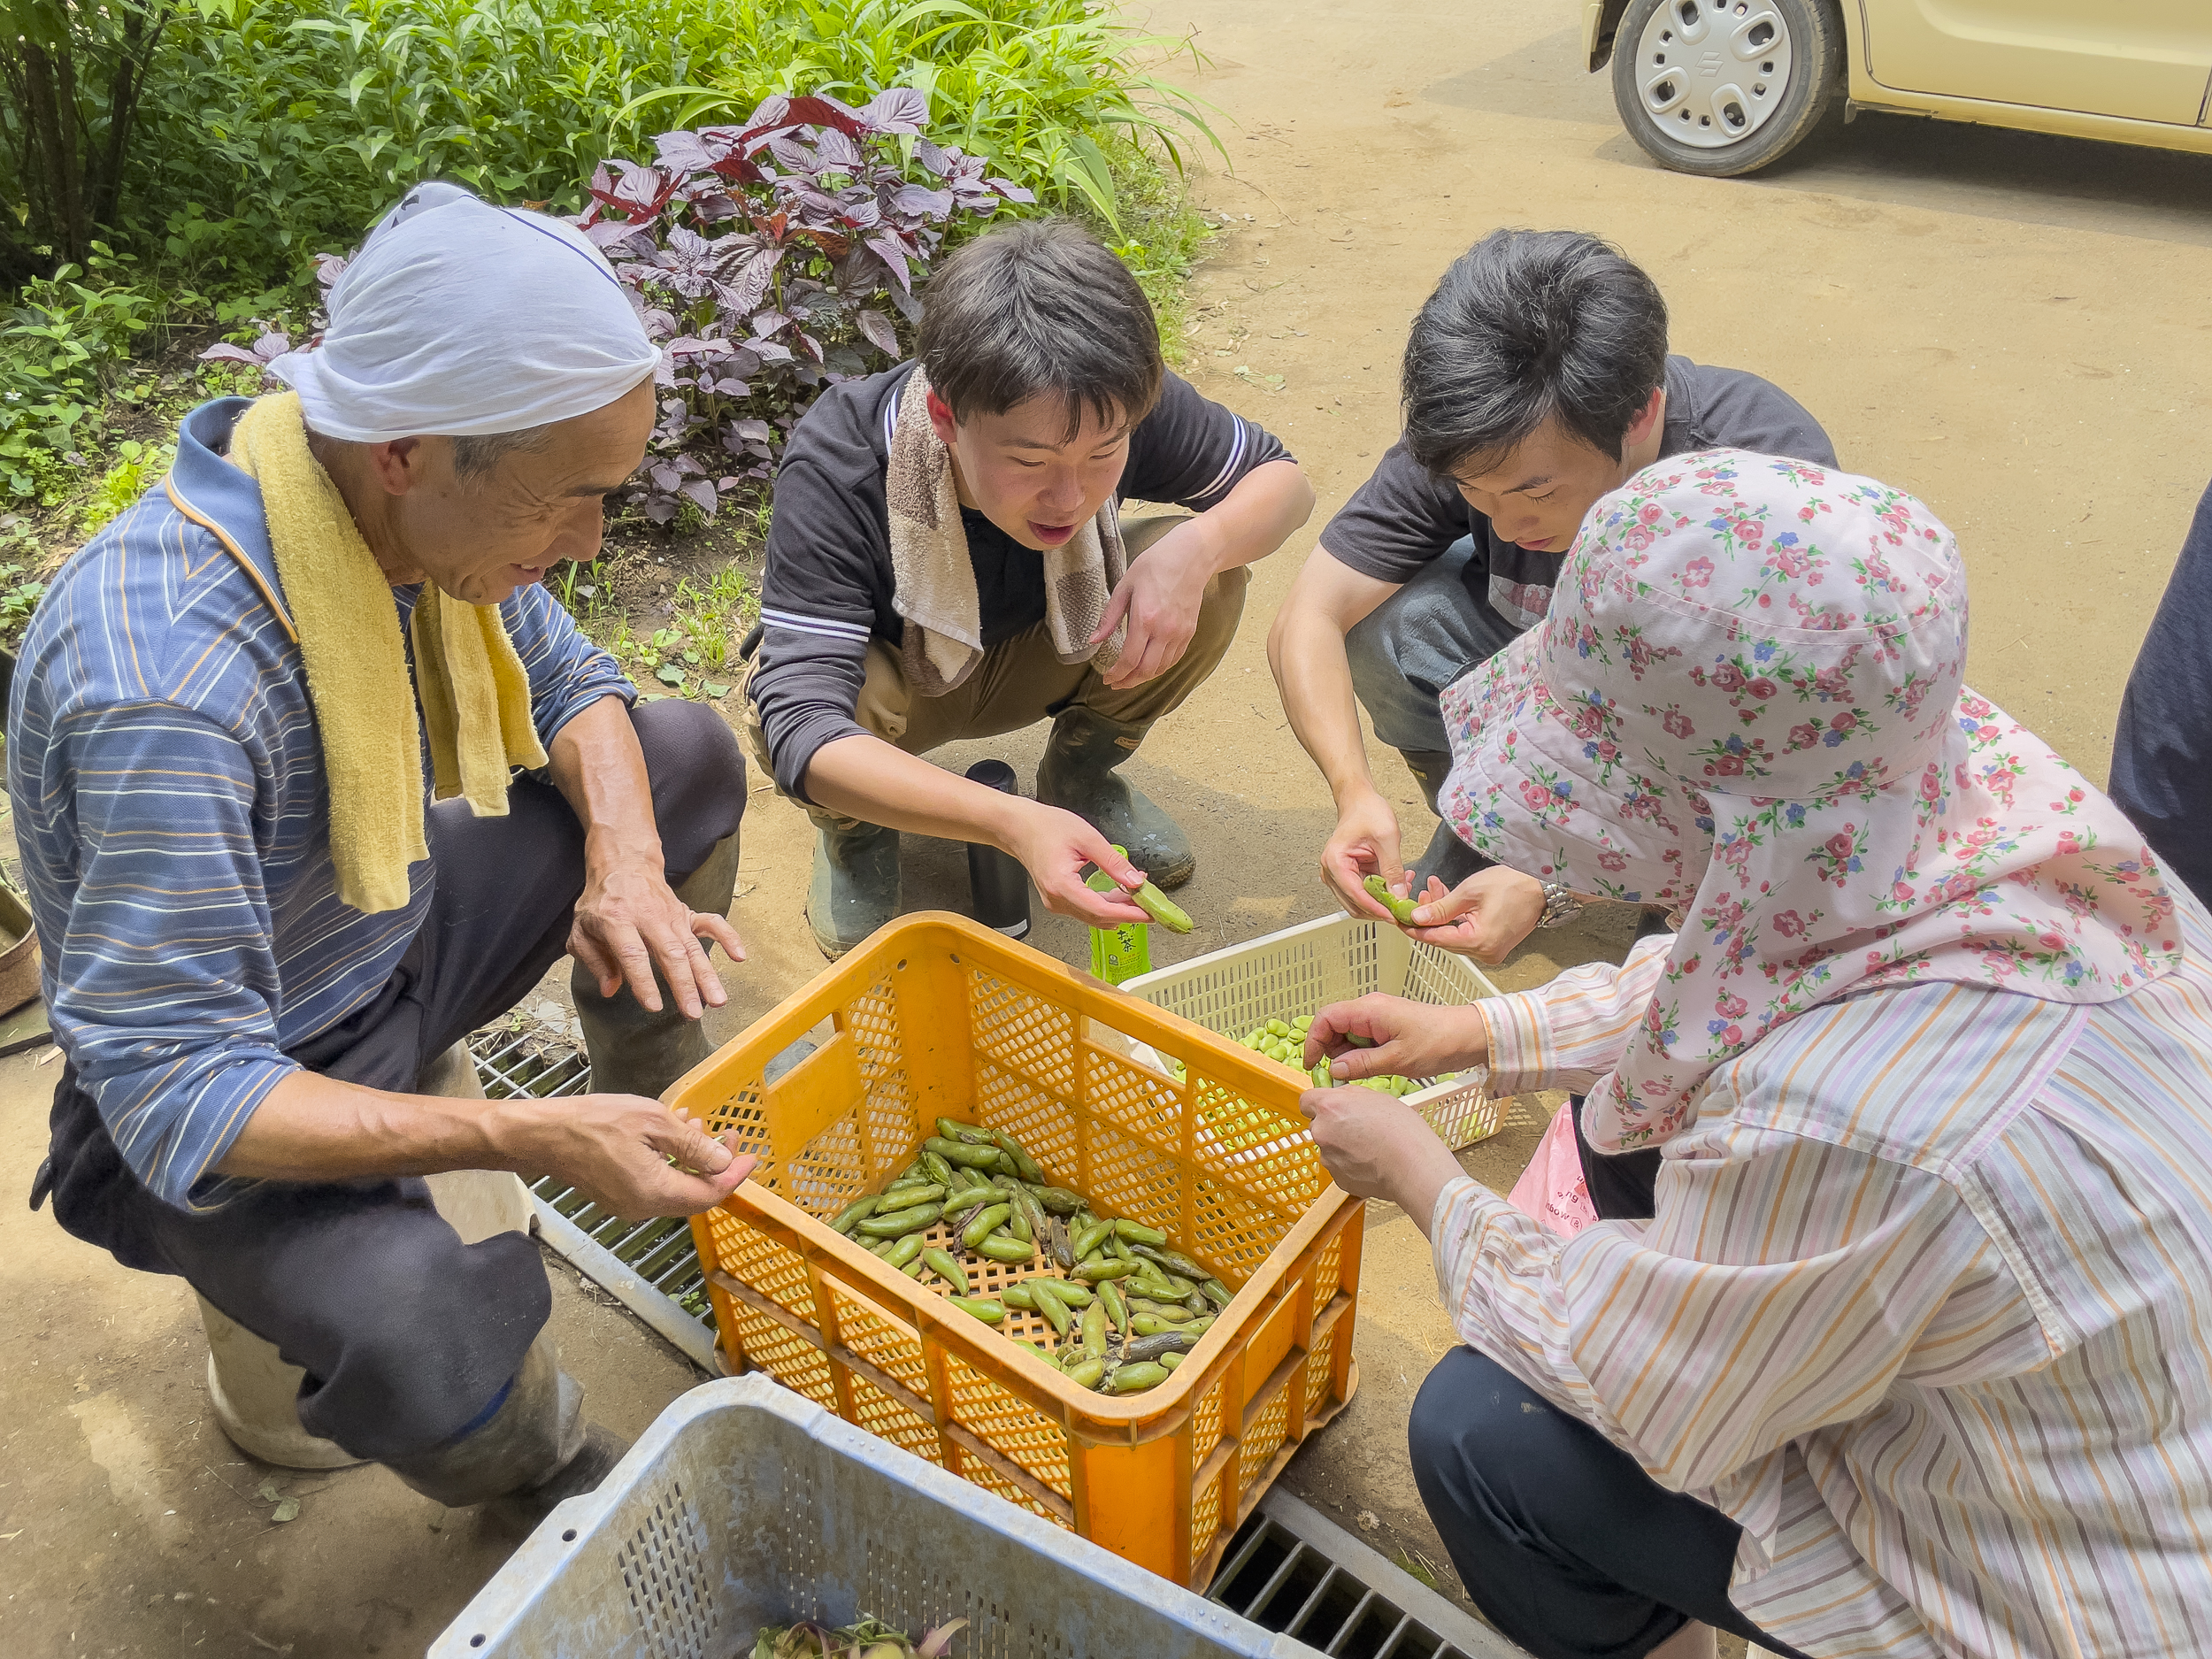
1401 516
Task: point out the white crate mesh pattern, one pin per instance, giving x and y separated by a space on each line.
1305 968
745 1506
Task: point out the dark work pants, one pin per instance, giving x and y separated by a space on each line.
407 1336
1562 1540
1623 1186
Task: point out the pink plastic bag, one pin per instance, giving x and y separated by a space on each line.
1551 1191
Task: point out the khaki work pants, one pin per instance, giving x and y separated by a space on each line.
1022 680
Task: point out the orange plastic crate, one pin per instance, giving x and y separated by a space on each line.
938 1016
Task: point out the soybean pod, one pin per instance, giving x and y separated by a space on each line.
1086 1373
1130 1379
899 1222
984 1223
1115 1308
946 1269
982 1157
1161 909
1024 1167
1049 1305
1401 910
1164 1342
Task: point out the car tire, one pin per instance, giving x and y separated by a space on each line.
1719 87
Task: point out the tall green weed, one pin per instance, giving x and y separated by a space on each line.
275 127
267 130
1040 88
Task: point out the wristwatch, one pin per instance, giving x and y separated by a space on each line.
1560 905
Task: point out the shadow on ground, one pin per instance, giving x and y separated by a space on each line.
1897 160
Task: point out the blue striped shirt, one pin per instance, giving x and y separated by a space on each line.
173 812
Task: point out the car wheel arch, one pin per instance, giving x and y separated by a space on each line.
1612 12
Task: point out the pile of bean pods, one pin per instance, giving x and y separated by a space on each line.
1124 1307
1283 1041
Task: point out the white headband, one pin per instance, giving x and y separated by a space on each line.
462 318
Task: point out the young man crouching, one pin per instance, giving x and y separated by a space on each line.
948 561
1536 380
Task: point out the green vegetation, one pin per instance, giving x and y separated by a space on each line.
694 655
1040 89
167 165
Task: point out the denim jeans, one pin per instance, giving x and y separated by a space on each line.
1417 641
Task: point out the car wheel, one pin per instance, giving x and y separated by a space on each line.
1723 86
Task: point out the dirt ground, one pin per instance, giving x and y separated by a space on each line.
2011 326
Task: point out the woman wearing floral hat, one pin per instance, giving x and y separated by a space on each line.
1914 1357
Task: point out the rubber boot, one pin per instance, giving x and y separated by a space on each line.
1449 858
633 1051
854 889
1077 775
536 1449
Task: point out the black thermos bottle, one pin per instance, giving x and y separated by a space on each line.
997 883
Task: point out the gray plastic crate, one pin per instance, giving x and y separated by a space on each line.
747 1505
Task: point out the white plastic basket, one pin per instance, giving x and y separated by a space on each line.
1305 968
745 1505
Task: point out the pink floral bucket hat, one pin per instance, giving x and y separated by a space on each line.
1747 700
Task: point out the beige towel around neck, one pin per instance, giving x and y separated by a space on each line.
474 690
933 581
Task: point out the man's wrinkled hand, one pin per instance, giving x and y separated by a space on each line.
1485 917
633 1157
629 920
1364 843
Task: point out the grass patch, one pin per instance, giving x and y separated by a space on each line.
680 643
1417 1566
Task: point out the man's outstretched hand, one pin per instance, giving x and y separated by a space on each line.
1055 847
632 1156
1364 843
629 920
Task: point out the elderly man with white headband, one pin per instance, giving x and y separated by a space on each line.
234 713
1906 1356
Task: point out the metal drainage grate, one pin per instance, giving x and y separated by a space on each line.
1291 1570
652 1268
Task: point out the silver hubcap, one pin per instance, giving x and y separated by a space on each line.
1711 71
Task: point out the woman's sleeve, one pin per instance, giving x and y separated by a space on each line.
1708 1337
1571 1033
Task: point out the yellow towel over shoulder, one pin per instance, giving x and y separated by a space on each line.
475 692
